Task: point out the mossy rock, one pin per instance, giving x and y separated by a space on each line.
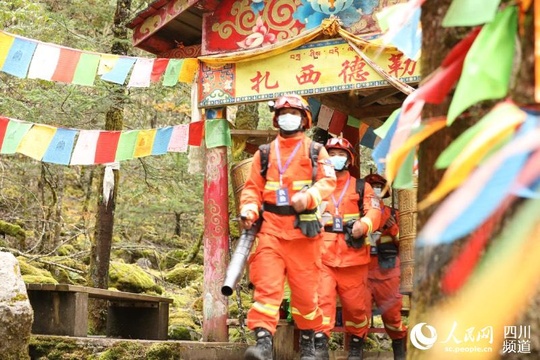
66 250
12 230
151 255
178 332
53 349
64 275
32 274
182 275
124 350
162 352
173 258
131 278
125 255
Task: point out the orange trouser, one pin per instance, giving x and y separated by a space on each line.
350 283
385 293
273 260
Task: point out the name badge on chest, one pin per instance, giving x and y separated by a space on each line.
337 224
282 197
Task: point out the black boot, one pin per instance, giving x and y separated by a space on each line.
307 346
263 349
400 349
356 348
321 346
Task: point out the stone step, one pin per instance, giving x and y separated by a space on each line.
41 346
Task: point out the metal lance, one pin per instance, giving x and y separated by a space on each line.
239 258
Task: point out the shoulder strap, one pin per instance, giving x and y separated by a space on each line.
360 190
265 154
314 150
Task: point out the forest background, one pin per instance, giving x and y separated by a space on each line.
48 212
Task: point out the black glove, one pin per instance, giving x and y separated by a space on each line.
387 253
308 222
355 243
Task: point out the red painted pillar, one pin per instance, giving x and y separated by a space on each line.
216 243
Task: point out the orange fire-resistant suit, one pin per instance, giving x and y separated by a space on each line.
281 251
345 269
383 284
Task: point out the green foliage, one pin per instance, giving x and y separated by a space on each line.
157 197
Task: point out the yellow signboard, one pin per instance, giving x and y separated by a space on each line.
315 68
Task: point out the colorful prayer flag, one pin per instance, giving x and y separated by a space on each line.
196 133
170 78
188 70
325 115
179 138
19 57
315 106
44 62
337 122
162 139
85 148
126 145
145 142
470 12
4 121
483 78
119 71
142 71
14 133
106 63
85 73
107 145
67 64
217 133
159 67
61 146
5 44
36 141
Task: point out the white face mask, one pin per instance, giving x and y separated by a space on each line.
378 191
289 122
339 162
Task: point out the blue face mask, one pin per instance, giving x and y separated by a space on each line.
339 162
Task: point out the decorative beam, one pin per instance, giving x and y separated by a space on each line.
149 21
378 96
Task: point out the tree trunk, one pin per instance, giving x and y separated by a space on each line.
177 223
430 262
100 252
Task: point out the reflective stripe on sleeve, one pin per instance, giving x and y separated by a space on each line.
369 224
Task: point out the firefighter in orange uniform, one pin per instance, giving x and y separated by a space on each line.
384 272
352 214
288 246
